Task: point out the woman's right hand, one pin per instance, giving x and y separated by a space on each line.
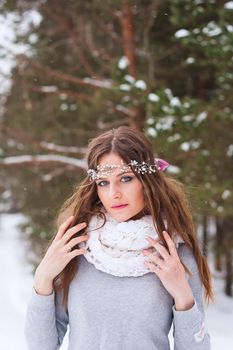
58 255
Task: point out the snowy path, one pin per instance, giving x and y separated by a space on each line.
16 282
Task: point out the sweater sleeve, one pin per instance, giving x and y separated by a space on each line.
189 329
46 322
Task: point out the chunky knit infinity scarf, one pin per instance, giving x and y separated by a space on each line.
116 248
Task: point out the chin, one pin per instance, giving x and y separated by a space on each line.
127 216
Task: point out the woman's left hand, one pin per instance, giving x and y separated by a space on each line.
169 268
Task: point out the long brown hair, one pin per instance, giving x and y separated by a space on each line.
165 199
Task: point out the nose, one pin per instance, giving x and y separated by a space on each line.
114 191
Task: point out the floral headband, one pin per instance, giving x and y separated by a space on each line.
141 168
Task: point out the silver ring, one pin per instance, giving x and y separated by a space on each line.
70 248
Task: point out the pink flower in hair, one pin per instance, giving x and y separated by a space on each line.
162 164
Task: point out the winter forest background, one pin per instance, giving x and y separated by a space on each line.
70 69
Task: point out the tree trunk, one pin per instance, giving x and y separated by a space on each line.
229 272
228 245
128 36
205 236
218 248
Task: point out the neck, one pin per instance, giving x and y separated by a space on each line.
139 215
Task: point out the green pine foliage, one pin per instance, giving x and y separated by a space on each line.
179 94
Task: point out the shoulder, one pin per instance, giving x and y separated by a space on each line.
195 281
187 256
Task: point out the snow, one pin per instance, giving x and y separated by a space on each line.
33 38
57 148
129 78
212 29
73 107
172 169
201 117
228 5
190 60
125 87
229 28
192 144
105 84
220 209
125 110
175 102
167 109
6 194
226 194
187 118
165 123
123 62
10 25
17 281
205 152
173 137
48 88
140 84
185 146
151 132
153 97
182 33
44 158
230 151
64 107
168 92
150 121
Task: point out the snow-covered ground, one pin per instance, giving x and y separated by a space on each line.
16 283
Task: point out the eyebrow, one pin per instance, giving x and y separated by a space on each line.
124 172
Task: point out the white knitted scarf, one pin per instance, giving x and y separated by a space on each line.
116 248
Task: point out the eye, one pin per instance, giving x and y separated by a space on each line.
123 179
101 183
126 178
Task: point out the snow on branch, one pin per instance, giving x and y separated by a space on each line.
107 84
48 158
129 112
69 149
104 83
53 90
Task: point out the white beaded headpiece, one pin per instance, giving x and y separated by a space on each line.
105 170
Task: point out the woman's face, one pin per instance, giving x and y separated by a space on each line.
120 189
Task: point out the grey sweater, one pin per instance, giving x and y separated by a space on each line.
106 312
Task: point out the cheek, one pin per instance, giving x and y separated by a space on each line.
99 192
138 192
102 195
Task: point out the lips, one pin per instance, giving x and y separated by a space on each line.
119 206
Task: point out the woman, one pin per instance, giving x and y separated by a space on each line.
125 263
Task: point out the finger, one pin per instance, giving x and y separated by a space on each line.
149 250
69 233
153 268
171 244
75 253
162 250
155 259
62 229
74 241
